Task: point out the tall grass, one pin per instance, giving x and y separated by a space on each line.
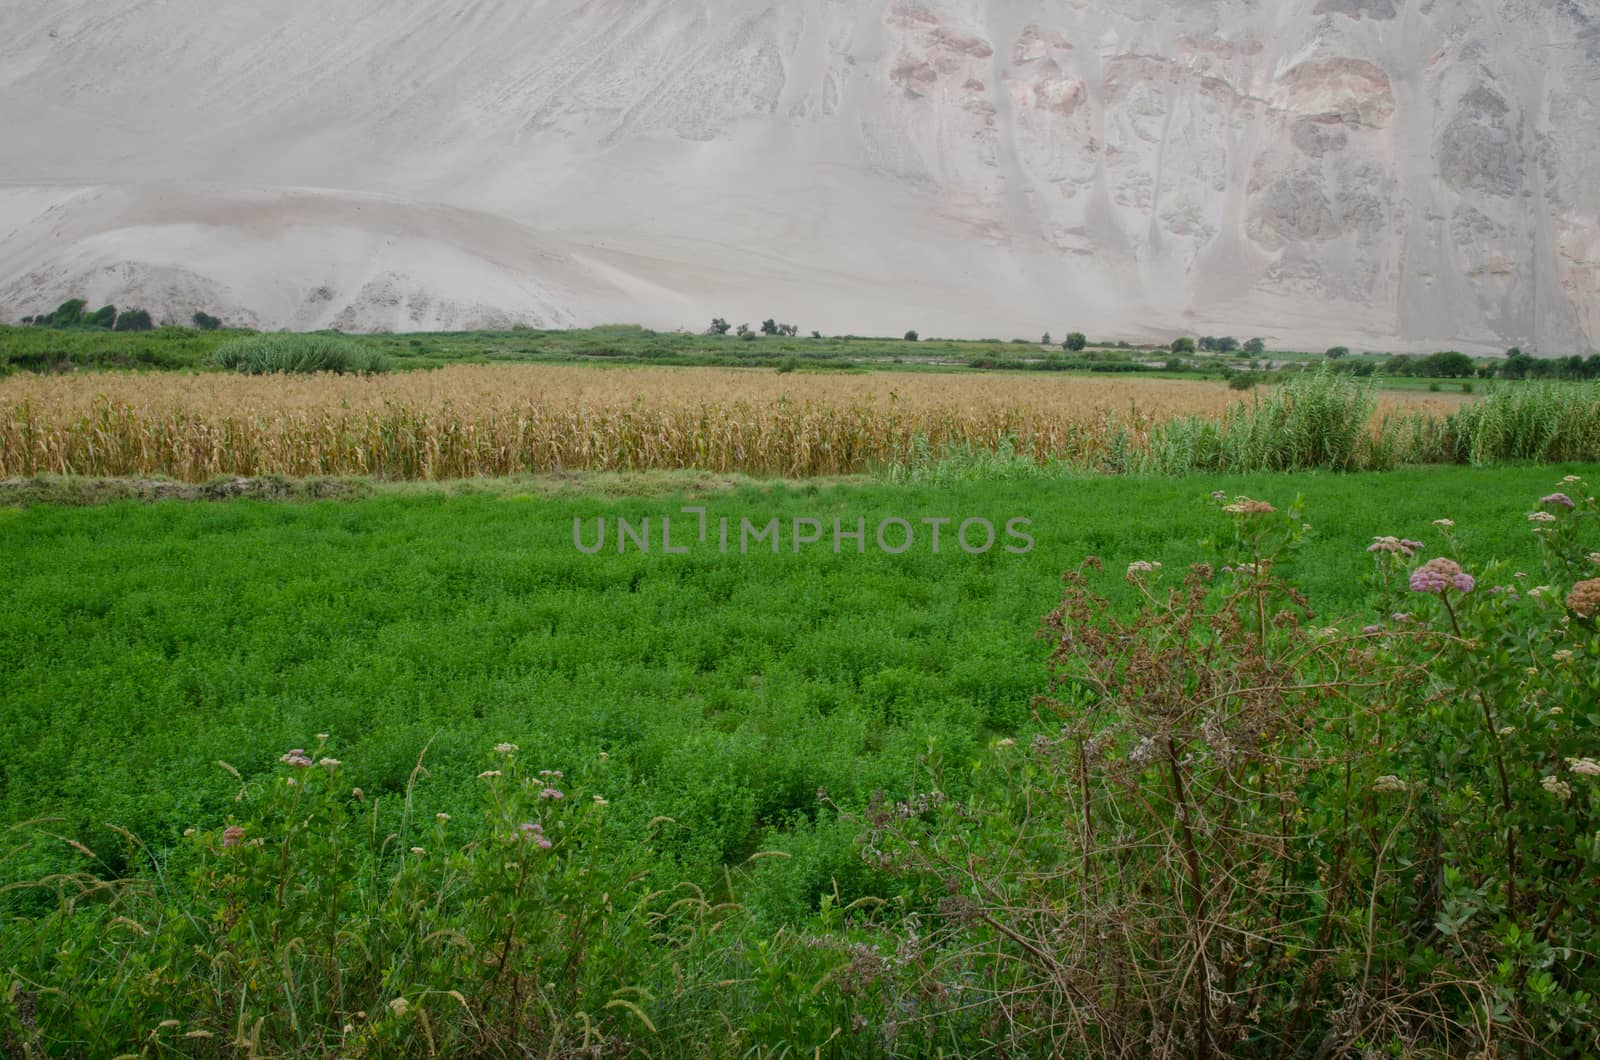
304 354
1542 421
1325 421
1317 420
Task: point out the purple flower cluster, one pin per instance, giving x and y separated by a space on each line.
1558 498
232 836
533 831
296 757
1437 575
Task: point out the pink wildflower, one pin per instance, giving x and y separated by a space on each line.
551 793
1437 575
295 757
232 836
1558 498
1396 545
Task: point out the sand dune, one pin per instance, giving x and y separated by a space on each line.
1385 174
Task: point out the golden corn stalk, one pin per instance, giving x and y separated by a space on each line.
469 421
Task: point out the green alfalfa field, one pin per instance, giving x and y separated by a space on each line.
729 714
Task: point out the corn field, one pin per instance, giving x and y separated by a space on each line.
463 422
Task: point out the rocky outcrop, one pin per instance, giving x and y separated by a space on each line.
1385 174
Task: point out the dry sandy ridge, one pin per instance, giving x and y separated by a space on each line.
1384 174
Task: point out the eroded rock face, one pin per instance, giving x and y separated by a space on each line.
1378 9
1390 174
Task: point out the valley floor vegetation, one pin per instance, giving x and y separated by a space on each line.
73 339
1307 767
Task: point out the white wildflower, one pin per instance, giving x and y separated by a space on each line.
1557 787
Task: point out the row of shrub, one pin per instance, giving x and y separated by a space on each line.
75 314
1452 365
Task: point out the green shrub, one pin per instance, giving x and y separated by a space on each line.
912 336
316 920
270 354
104 317
1076 341
204 321
1388 826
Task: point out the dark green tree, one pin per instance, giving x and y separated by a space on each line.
1183 345
69 314
1254 347
1447 365
1076 341
134 320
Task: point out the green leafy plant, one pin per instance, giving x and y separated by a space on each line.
297 354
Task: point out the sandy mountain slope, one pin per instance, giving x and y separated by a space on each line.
1385 174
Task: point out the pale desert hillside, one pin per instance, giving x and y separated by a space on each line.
1386 174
